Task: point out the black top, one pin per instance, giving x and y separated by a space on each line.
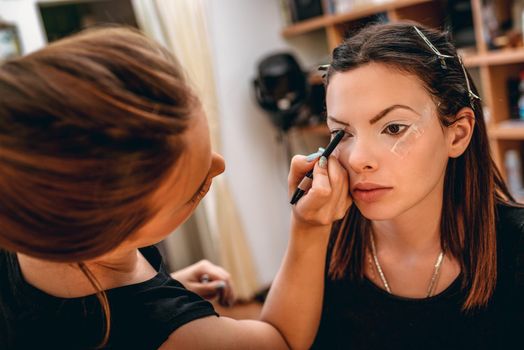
360 315
143 315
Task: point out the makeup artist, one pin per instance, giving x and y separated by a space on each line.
431 254
104 151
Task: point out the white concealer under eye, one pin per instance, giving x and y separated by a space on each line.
405 144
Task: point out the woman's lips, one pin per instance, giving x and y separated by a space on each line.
369 194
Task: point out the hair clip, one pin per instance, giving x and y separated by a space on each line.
324 68
471 95
441 56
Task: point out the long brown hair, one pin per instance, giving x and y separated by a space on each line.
89 128
470 196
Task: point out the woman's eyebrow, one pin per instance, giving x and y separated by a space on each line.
384 112
379 115
335 120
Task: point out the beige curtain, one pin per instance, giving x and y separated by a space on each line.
183 25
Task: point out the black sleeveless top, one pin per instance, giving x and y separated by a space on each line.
360 315
143 315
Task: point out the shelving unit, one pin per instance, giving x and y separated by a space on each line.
494 58
507 131
490 69
334 24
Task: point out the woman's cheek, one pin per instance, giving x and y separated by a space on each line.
336 153
342 155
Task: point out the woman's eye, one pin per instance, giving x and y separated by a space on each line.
395 129
201 193
197 197
346 134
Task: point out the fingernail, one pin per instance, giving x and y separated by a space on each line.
221 285
321 149
313 156
322 162
204 278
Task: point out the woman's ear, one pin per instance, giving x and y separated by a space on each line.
460 132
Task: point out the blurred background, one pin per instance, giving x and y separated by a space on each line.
255 65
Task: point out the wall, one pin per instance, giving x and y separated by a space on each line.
242 32
24 14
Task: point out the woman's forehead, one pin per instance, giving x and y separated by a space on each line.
373 87
373 78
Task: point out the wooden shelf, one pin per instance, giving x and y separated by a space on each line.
357 13
507 130
493 58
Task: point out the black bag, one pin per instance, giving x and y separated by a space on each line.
281 88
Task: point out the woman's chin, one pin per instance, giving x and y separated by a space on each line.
376 211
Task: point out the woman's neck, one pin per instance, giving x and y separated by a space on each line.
66 280
416 231
407 248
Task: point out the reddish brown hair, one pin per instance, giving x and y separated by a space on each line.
89 128
470 196
88 131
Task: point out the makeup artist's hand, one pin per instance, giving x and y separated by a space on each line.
207 280
328 199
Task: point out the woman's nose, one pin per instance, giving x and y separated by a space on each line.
218 165
361 157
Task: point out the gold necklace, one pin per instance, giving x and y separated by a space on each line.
434 277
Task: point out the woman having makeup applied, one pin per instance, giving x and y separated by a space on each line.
104 151
431 253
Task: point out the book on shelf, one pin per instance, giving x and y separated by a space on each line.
305 9
513 167
329 6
